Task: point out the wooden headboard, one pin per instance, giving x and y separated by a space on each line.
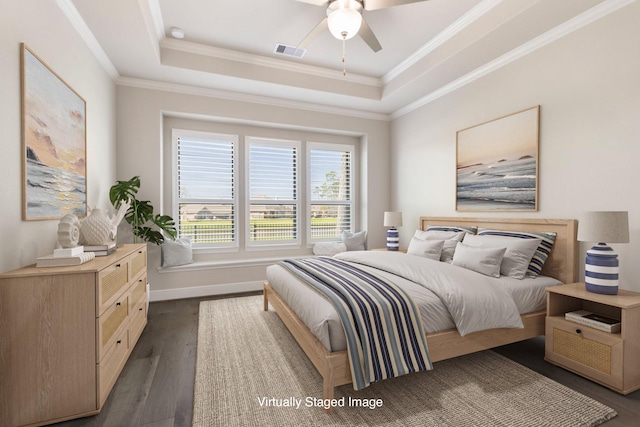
562 262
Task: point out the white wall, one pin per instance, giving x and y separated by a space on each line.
47 32
142 151
588 87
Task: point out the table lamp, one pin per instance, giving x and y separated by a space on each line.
393 220
601 266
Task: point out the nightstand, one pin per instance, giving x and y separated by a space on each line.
610 359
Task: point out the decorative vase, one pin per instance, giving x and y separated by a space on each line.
96 229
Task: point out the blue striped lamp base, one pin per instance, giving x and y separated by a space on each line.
393 239
601 270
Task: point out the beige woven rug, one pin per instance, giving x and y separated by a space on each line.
248 366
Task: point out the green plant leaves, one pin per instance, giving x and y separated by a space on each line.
140 212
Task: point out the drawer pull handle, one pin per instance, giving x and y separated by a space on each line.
119 342
117 265
140 309
578 331
118 304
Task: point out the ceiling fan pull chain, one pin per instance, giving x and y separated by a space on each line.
344 49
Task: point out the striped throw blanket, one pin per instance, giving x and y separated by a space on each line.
382 324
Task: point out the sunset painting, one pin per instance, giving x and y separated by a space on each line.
497 164
54 143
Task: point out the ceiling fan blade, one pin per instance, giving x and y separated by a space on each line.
315 2
322 26
368 36
382 4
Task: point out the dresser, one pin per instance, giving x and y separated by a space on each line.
66 333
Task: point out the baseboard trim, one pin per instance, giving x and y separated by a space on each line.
206 290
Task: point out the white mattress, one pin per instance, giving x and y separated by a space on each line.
323 321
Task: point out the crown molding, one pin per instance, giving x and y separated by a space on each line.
254 99
595 13
72 14
463 22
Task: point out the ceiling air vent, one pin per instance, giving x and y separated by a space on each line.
283 49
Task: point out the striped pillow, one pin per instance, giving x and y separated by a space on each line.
542 252
471 229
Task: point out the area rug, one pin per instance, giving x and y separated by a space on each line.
250 371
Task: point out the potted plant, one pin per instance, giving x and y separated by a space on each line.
145 224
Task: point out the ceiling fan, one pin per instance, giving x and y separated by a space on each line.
344 19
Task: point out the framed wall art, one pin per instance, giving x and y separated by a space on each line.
53 143
497 164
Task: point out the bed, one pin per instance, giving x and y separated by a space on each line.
444 340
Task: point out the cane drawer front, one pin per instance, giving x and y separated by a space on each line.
111 323
112 282
590 352
138 290
138 320
110 366
138 262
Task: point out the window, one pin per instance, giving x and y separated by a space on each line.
235 192
330 190
205 197
272 196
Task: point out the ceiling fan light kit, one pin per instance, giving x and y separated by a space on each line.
344 20
344 23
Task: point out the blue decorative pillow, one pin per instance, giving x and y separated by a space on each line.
542 252
467 229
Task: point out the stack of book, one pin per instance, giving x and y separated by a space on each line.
61 261
594 320
101 250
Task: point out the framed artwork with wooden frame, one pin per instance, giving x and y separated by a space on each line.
54 143
497 164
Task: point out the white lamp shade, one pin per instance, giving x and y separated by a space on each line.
344 23
392 219
606 227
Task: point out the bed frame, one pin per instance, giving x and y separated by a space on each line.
561 264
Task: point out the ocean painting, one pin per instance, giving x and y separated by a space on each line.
54 143
497 164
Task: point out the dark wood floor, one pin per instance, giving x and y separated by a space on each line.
155 387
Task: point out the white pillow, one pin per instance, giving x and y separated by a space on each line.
482 260
176 252
328 248
431 249
354 241
451 239
517 256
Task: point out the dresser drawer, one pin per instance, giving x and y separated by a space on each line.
137 320
111 283
587 351
111 323
139 290
138 262
111 365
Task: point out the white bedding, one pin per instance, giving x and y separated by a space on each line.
526 295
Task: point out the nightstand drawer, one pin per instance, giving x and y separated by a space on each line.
587 351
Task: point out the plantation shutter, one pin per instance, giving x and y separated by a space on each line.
273 192
330 191
206 188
